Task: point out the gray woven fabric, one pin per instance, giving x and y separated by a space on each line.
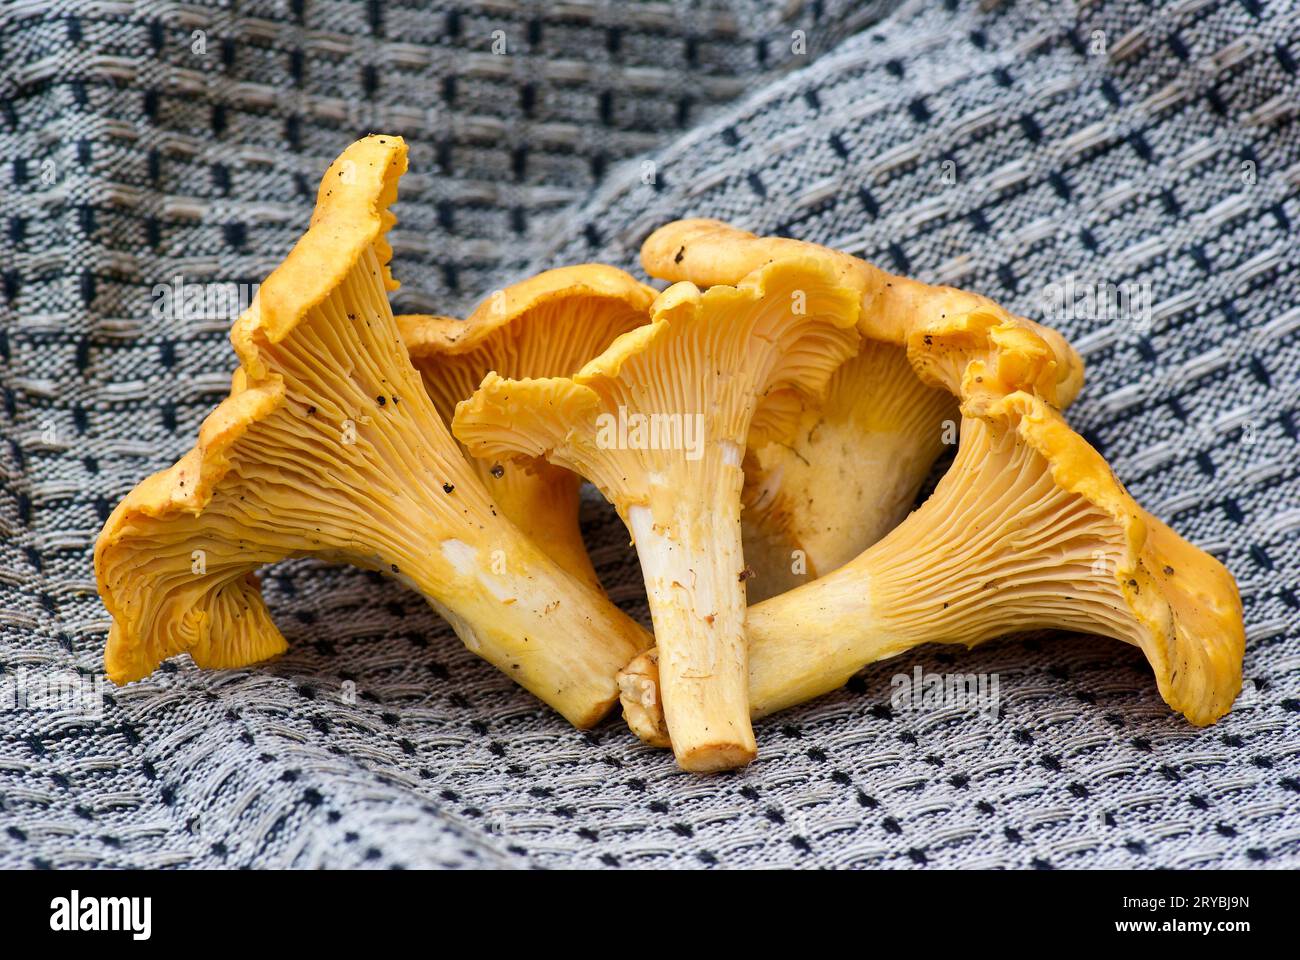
1152 143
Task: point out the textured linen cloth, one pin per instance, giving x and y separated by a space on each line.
999 147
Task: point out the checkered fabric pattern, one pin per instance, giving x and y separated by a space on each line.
995 146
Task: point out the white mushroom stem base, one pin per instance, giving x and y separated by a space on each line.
688 542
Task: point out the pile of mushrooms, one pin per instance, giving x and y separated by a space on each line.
762 426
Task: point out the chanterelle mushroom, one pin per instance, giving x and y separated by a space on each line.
329 445
1028 530
852 469
546 326
659 423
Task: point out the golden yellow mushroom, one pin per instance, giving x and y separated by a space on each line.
1028 530
547 326
659 424
329 445
851 470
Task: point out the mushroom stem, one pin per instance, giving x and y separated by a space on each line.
692 562
802 644
1019 564
544 502
513 606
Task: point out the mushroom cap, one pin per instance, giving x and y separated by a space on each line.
351 218
894 309
802 371
654 366
1185 601
850 472
348 223
430 336
186 488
